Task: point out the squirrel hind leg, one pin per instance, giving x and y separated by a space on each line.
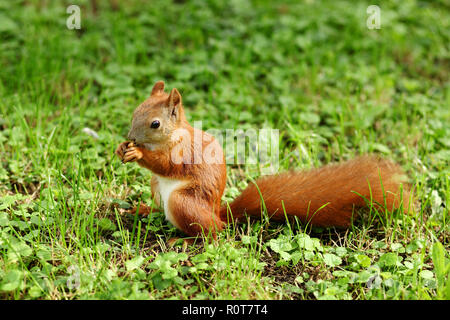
195 217
142 210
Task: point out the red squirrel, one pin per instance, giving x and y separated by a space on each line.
191 191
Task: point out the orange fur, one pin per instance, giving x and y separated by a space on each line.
325 196
195 206
322 197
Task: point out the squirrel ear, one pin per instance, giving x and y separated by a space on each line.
174 101
158 88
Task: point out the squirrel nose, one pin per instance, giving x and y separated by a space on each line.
131 137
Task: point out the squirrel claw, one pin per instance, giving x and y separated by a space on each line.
132 154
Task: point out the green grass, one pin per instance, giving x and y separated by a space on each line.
311 69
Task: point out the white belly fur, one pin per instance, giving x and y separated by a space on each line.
166 187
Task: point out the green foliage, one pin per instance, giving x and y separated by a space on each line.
441 270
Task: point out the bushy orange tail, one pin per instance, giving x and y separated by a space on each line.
326 196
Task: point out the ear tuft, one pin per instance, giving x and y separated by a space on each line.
174 102
174 98
158 88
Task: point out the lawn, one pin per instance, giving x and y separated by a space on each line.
333 87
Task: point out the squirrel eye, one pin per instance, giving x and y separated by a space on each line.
155 124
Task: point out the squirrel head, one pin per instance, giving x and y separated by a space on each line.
157 117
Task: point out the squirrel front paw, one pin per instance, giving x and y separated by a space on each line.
132 153
120 151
